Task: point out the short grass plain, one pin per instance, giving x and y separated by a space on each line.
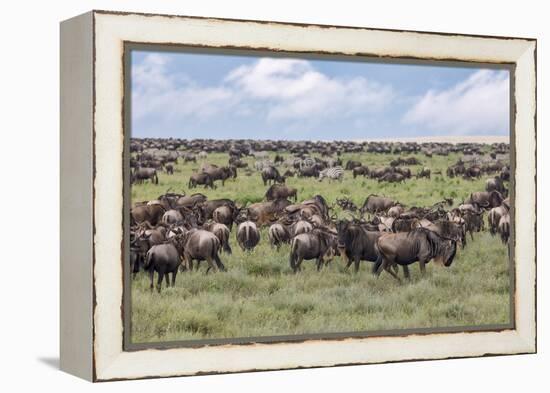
259 296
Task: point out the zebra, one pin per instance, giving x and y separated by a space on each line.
334 173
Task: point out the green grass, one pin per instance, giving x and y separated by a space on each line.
259 296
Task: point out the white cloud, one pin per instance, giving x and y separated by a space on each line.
293 89
159 92
478 105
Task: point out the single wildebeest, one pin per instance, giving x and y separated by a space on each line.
224 215
473 222
301 226
201 178
485 199
248 235
357 243
191 200
308 171
279 191
419 245
360 171
201 245
496 184
271 174
278 234
163 258
472 172
142 174
504 228
169 168
395 211
494 217
352 164
424 172
147 213
317 244
172 216
406 172
222 233
374 204
221 173
392 178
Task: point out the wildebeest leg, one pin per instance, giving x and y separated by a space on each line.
159 280
356 262
167 279
319 264
219 262
406 272
173 277
151 277
422 267
350 261
389 270
210 265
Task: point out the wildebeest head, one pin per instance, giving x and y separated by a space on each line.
443 249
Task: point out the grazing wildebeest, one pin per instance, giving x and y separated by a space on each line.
169 168
278 234
496 184
308 171
504 228
220 173
301 226
147 213
222 233
494 217
317 244
201 245
278 191
164 259
374 204
396 211
191 200
360 171
419 245
485 199
472 172
172 216
424 172
201 178
224 215
271 174
264 213
352 164
248 235
357 243
142 174
392 178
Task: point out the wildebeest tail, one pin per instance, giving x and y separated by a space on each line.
156 178
148 260
293 254
216 256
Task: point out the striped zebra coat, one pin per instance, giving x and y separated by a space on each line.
334 173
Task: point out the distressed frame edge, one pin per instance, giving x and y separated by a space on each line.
76 210
526 339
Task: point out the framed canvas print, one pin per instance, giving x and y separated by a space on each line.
247 195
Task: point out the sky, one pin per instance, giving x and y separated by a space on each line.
196 95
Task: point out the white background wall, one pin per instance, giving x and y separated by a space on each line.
29 150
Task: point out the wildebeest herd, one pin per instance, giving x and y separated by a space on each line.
172 231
